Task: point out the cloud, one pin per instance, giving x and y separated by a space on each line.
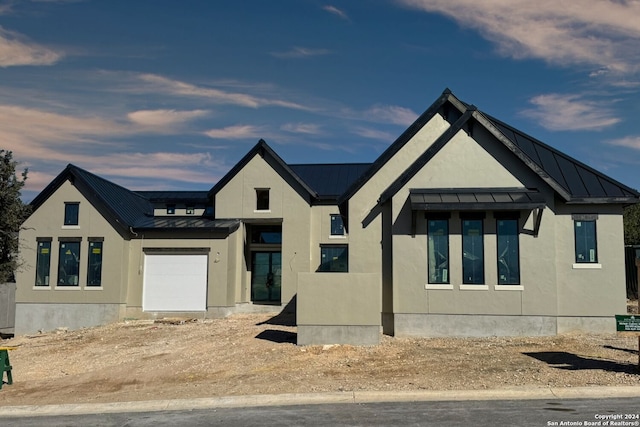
374 134
627 141
305 128
16 50
165 119
569 112
156 83
604 34
235 132
391 114
301 52
335 11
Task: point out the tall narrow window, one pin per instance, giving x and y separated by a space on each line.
262 199
472 251
585 234
43 262
337 227
69 263
508 252
438 250
94 266
71 211
334 258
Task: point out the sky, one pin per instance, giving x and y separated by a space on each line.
169 95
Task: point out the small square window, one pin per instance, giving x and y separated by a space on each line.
262 199
191 210
71 211
171 209
334 258
337 226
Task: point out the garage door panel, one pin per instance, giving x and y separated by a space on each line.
175 283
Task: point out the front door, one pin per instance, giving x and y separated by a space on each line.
266 269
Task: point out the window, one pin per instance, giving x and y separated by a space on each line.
337 226
43 262
334 258
508 251
472 251
438 250
191 209
171 209
585 234
69 263
94 266
71 211
262 199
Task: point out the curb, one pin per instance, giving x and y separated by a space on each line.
320 398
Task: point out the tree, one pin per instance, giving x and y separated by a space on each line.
632 225
12 213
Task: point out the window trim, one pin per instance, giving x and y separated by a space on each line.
590 218
66 223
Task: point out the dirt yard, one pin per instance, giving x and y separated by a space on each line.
256 354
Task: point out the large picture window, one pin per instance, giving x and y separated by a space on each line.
69 263
472 251
334 258
585 236
508 251
43 262
438 250
94 266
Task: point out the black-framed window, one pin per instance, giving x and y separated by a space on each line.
262 199
71 213
586 244
171 209
337 226
94 264
43 262
472 251
334 258
191 209
438 250
508 247
69 263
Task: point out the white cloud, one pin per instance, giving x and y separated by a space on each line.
16 50
165 119
374 134
235 132
335 11
305 128
156 83
600 33
301 52
569 112
628 141
391 114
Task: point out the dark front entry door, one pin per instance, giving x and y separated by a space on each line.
266 269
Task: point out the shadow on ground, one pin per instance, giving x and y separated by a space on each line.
573 362
278 336
287 317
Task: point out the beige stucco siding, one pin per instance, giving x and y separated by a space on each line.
237 199
47 222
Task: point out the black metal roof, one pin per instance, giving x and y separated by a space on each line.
330 180
574 181
124 209
175 196
470 199
186 223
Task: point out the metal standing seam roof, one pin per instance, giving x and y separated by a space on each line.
175 196
469 199
330 180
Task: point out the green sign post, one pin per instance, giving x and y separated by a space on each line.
628 323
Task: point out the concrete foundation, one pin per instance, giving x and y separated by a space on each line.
31 318
327 334
445 325
586 324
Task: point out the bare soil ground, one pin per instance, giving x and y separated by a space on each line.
256 354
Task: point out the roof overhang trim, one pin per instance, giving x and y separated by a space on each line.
465 199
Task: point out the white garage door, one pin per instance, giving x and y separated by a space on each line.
175 283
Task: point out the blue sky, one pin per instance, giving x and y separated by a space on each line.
159 94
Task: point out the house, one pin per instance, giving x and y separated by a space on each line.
464 226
